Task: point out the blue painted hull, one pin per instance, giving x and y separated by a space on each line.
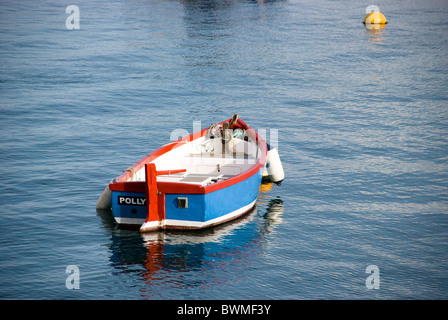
204 210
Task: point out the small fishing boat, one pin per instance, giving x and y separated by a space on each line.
205 179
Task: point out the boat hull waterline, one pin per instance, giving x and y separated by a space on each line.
202 180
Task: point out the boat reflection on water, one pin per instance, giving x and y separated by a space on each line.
171 258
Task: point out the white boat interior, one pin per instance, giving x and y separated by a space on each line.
206 161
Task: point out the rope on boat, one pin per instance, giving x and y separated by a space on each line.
204 148
132 170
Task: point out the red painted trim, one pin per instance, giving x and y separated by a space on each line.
120 183
152 208
132 186
165 187
168 172
176 187
161 206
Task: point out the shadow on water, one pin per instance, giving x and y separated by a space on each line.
180 259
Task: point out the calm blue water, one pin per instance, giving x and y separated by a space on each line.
362 120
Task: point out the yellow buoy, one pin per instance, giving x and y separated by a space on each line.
375 18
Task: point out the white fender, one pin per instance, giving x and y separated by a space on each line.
274 167
105 200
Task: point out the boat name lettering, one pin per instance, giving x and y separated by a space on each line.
131 201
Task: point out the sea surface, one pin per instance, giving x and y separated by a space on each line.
359 117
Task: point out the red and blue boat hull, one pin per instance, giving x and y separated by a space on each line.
154 204
204 209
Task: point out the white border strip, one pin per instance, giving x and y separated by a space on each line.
200 224
134 221
184 224
151 225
